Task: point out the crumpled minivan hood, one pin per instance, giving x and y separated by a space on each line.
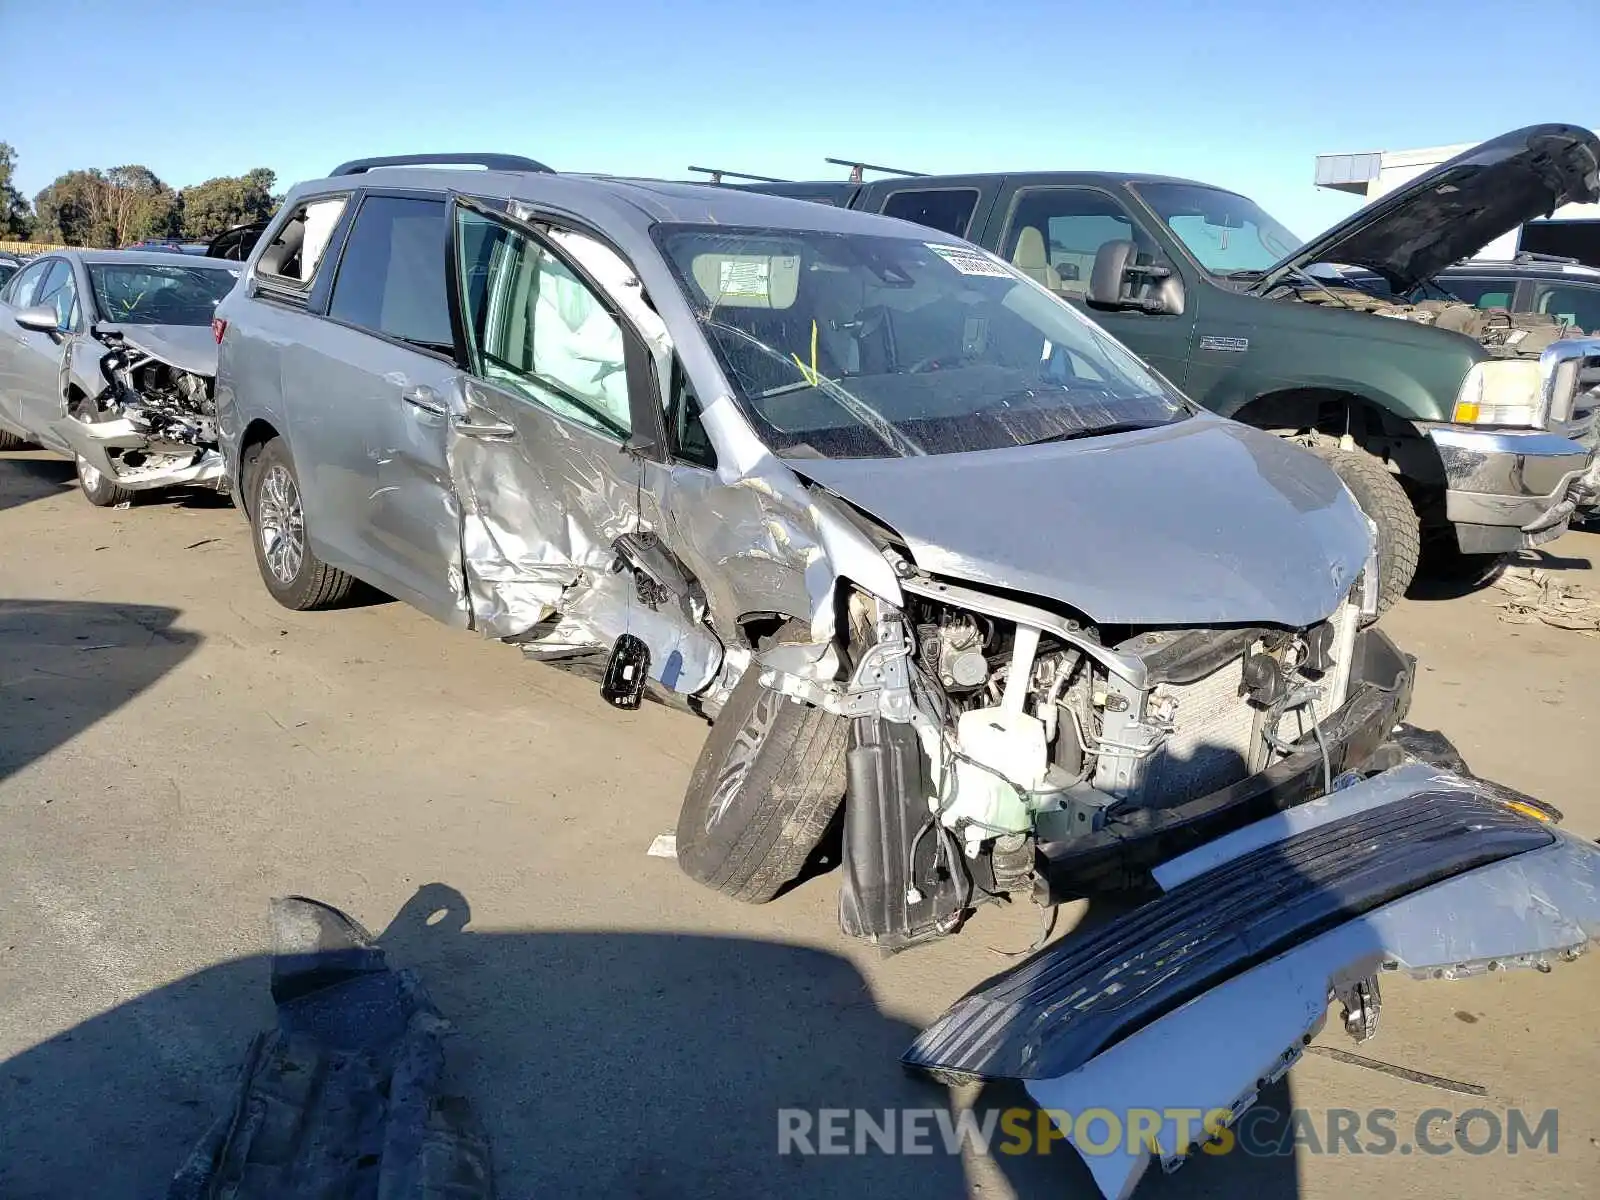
1459 207
1201 522
190 348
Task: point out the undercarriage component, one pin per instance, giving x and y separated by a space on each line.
344 1097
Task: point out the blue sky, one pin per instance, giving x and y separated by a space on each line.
1242 93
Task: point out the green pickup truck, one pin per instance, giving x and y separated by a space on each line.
1471 429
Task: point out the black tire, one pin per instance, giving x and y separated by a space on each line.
99 490
769 781
1382 498
10 441
295 576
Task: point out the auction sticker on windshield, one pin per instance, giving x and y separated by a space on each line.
744 277
968 261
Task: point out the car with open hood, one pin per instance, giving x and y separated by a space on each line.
953 574
1469 434
107 356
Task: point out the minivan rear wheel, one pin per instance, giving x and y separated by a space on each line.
295 576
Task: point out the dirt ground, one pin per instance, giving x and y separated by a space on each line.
175 750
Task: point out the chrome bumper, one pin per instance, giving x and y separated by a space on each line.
1509 489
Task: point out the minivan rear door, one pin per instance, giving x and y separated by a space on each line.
366 385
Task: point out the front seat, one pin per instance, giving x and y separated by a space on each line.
1033 260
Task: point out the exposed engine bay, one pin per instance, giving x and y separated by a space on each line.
986 728
1503 333
154 425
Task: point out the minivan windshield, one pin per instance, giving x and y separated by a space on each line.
1227 233
845 345
152 294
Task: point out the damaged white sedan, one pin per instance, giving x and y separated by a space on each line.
109 357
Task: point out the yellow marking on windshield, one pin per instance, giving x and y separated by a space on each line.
810 374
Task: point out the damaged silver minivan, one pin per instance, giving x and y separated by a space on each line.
108 357
953 574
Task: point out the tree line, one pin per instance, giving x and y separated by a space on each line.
122 205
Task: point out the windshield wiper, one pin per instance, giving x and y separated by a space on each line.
1089 431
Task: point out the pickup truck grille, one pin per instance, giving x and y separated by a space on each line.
1572 379
1053 1013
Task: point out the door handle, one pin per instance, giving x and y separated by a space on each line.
493 431
425 399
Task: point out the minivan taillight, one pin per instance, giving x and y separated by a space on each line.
218 328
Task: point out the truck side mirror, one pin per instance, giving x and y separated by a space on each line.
1108 283
1119 281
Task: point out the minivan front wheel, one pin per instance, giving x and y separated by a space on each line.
295 576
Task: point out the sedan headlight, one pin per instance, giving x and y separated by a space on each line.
1502 392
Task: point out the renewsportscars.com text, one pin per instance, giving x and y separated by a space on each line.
1261 1131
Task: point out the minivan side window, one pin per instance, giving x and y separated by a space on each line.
946 209
535 328
292 257
391 277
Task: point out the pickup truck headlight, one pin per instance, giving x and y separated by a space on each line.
1502 392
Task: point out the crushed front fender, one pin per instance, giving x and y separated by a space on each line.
1196 999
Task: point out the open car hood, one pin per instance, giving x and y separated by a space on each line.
1193 1002
1456 209
190 348
1200 522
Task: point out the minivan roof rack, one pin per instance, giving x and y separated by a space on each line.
857 167
492 162
718 174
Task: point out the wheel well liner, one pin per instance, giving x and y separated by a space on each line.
258 433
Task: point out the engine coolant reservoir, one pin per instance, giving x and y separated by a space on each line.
1011 745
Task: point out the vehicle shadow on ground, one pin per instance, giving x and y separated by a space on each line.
66 664
607 1064
1455 581
28 477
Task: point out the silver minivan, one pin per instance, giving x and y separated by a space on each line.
964 587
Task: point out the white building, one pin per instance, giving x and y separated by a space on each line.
1571 230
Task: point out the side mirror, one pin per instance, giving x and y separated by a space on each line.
41 318
1119 281
1108 283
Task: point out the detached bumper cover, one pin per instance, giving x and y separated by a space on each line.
1195 999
